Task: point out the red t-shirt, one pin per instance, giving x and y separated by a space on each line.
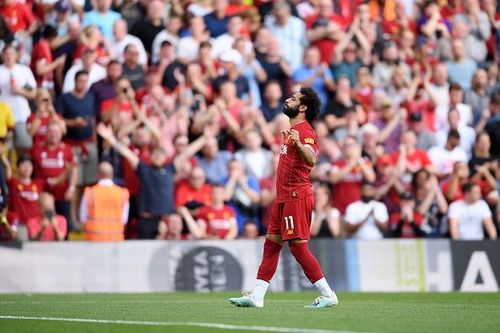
292 181
34 226
326 46
41 134
348 190
18 16
50 163
130 178
184 193
418 159
217 221
41 51
426 108
23 199
407 230
459 195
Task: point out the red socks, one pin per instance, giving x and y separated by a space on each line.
269 260
306 259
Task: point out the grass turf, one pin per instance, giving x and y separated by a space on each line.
357 312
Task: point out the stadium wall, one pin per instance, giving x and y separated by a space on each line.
145 266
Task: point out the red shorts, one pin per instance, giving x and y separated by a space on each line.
292 219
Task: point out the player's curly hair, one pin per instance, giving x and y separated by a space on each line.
311 100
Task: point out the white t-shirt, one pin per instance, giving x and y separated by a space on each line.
441 116
119 48
358 211
467 138
24 78
97 73
470 218
444 159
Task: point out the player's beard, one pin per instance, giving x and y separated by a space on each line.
291 113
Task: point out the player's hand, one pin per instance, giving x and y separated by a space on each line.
294 136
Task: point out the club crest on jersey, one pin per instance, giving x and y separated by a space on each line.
284 150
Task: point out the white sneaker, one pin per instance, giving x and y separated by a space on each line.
323 302
247 301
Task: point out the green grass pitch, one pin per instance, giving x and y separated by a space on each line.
283 312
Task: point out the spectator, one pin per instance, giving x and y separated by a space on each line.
390 124
47 226
217 221
24 192
348 174
19 17
468 216
45 113
460 68
409 159
481 155
102 17
105 88
313 73
443 157
272 101
425 139
150 25
132 68
170 34
88 63
408 222
430 202
121 39
194 188
389 184
439 86
17 87
366 219
255 159
467 133
231 60
104 208
171 228
54 161
456 97
156 193
348 58
290 32
478 96
493 124
250 230
242 191
218 19
383 70
273 63
324 29
43 64
325 219
226 41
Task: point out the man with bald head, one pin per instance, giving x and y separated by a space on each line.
104 208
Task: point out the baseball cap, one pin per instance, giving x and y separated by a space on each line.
62 6
231 56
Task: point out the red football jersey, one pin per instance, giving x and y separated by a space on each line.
23 199
292 181
50 163
217 220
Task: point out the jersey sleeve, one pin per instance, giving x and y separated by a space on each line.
308 139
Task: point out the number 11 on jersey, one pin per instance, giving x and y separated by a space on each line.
289 223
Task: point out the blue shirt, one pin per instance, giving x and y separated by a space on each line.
156 193
70 107
216 170
216 26
304 73
461 73
103 21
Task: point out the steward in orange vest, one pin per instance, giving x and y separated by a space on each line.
104 208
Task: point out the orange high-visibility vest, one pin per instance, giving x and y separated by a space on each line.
104 212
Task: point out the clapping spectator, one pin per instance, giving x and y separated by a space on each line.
408 222
217 221
444 157
121 39
48 226
45 113
325 219
468 216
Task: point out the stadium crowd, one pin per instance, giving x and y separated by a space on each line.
159 119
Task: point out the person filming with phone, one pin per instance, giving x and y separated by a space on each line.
48 226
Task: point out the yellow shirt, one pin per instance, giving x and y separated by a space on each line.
6 119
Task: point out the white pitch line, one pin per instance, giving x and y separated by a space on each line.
129 301
174 323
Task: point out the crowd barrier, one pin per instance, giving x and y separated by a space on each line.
203 266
